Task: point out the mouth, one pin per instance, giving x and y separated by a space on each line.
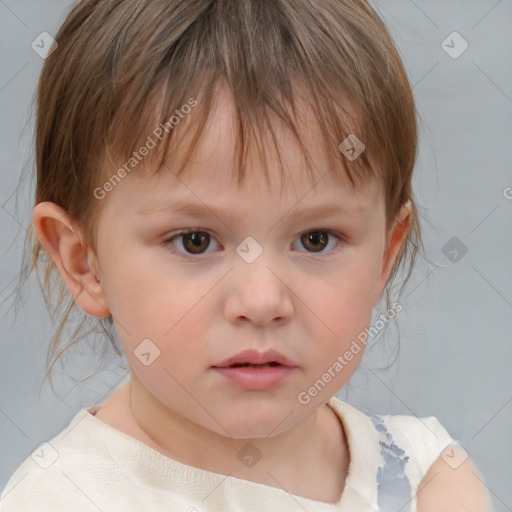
255 371
254 377
250 365
255 359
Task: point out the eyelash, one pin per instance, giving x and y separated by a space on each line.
167 242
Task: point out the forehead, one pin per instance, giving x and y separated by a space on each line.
212 172
267 147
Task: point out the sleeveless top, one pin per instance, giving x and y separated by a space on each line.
91 466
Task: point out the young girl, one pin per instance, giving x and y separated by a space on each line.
226 186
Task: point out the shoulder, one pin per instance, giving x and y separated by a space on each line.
445 477
450 487
38 480
49 478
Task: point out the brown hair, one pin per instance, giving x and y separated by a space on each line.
122 67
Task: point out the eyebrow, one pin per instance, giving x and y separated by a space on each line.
203 211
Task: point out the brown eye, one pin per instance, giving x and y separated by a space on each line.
196 242
193 242
315 240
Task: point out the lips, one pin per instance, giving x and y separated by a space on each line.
254 358
252 370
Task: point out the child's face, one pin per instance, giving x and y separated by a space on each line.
305 298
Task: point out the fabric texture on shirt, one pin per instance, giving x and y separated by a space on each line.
91 466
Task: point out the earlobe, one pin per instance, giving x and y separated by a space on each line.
395 240
74 260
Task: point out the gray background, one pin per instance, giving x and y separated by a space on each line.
456 348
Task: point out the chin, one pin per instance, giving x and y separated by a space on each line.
253 422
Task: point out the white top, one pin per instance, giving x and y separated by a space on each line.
91 466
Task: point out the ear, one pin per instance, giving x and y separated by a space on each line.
62 240
394 240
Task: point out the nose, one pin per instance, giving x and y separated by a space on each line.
258 294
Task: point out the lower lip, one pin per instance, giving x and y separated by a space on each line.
255 379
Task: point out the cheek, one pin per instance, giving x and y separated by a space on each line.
342 301
342 306
148 296
169 309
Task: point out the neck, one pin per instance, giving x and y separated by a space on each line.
315 442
